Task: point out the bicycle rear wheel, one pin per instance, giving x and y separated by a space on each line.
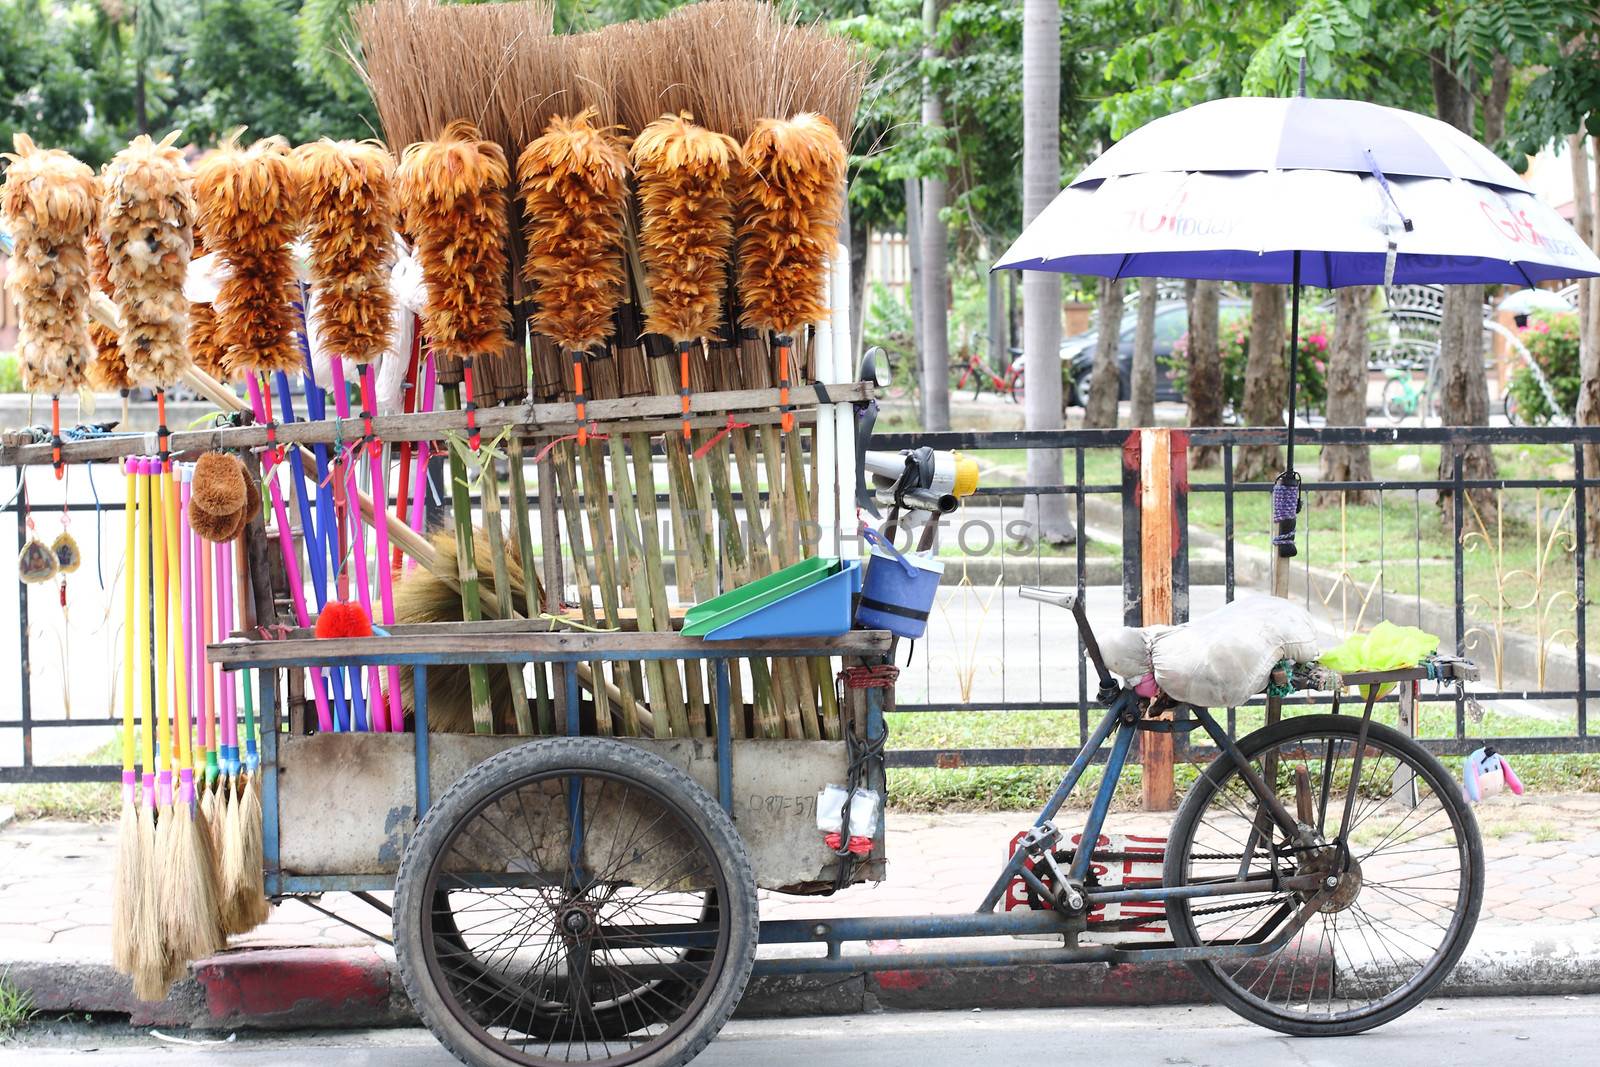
1402 913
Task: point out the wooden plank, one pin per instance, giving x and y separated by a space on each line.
1155 550
647 414
455 648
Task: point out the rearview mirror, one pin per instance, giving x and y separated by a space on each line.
875 367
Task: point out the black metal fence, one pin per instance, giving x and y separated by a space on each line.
1498 572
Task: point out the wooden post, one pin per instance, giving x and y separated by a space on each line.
1156 551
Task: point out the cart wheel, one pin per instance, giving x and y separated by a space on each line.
575 900
1405 905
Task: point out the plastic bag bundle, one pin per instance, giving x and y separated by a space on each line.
1218 660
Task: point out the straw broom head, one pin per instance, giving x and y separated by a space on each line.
685 176
147 224
148 964
453 198
347 195
48 204
247 906
574 182
793 198
249 213
127 890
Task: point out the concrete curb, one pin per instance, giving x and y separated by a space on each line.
339 988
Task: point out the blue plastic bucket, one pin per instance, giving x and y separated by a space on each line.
898 592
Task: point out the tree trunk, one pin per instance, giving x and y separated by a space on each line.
1205 369
1105 383
1494 105
1347 394
919 326
1142 375
1041 290
1266 381
935 259
995 314
860 243
1588 413
1463 384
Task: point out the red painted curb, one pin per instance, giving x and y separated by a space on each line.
299 987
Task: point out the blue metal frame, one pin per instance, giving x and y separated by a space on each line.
1121 719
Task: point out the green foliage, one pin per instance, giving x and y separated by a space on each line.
16 1007
1552 340
1233 334
246 55
10 374
888 325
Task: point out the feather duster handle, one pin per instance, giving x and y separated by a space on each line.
346 190
147 224
574 182
453 193
48 204
789 222
249 214
686 176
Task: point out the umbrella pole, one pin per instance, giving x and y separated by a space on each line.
1286 490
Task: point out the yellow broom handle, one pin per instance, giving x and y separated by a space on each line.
158 572
180 690
139 567
129 586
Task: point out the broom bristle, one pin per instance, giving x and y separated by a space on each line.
189 919
249 907
148 962
126 890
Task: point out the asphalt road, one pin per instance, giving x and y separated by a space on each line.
1504 1030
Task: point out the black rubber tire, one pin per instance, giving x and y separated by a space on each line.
1181 924
500 773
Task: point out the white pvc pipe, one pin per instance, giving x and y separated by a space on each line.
844 358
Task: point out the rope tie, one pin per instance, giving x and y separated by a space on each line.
718 437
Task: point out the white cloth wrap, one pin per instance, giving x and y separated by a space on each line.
1218 660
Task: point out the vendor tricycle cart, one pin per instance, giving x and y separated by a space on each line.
592 899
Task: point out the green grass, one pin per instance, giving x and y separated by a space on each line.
16 1007
79 801
1017 788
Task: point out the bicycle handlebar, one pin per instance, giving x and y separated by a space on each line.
1074 604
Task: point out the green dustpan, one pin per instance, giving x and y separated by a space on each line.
735 604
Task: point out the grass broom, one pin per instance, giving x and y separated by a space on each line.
130 895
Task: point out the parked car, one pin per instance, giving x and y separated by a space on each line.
1172 322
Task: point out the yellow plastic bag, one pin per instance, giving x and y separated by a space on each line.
1386 647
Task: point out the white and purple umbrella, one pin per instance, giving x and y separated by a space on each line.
1301 191
1242 189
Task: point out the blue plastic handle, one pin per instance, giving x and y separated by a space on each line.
877 540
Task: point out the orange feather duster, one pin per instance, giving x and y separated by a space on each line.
249 213
793 197
685 175
454 202
48 203
205 349
347 194
574 181
147 224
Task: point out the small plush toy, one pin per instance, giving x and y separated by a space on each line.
1485 773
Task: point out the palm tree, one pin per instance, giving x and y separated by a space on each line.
1041 291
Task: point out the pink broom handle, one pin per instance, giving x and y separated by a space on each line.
419 491
291 561
228 726
358 538
380 496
